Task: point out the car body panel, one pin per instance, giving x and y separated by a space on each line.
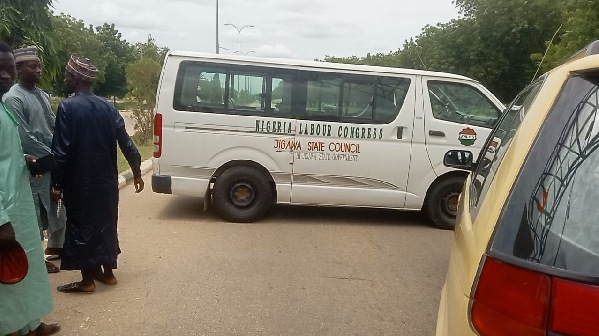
472 239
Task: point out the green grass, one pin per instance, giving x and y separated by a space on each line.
145 151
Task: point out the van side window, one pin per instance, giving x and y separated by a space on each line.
497 144
352 98
247 92
323 96
229 89
281 94
461 103
200 89
390 96
358 100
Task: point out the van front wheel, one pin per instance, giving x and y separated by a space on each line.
242 194
442 203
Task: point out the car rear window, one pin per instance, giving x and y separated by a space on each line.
498 142
551 217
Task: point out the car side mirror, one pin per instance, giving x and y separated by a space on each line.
459 159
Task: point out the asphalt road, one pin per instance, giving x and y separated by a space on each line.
300 271
129 122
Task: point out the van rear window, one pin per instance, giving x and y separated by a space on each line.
551 217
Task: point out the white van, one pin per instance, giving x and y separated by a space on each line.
244 133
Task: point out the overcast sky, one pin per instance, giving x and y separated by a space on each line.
305 29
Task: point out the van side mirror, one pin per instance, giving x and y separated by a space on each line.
459 159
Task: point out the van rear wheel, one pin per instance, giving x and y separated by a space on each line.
242 194
442 203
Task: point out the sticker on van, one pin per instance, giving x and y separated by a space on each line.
467 137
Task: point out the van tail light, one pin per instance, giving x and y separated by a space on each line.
158 135
510 300
575 309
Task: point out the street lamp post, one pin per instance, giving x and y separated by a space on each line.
217 46
239 33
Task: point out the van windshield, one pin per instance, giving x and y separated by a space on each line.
552 214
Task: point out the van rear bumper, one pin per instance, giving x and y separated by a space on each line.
162 184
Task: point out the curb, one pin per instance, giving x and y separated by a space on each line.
127 176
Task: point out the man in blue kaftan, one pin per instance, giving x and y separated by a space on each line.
87 131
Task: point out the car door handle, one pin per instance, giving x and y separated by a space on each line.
436 133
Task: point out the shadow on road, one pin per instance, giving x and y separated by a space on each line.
345 215
188 208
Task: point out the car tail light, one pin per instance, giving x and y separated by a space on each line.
510 300
575 309
157 135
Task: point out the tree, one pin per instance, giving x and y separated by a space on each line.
74 38
495 42
150 49
509 33
580 27
118 54
25 23
216 90
278 92
142 79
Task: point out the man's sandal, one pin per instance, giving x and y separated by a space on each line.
51 268
75 287
45 330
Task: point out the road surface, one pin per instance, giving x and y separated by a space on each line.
129 122
300 271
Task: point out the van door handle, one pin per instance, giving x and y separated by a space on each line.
436 133
400 132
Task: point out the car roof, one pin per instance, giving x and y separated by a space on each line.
315 64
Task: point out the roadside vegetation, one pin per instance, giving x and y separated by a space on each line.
501 43
504 44
146 152
127 73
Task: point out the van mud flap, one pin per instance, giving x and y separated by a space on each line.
207 199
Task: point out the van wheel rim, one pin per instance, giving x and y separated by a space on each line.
450 202
242 194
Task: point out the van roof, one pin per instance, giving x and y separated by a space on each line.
315 64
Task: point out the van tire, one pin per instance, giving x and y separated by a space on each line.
241 194
441 204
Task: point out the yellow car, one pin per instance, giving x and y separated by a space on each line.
525 259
